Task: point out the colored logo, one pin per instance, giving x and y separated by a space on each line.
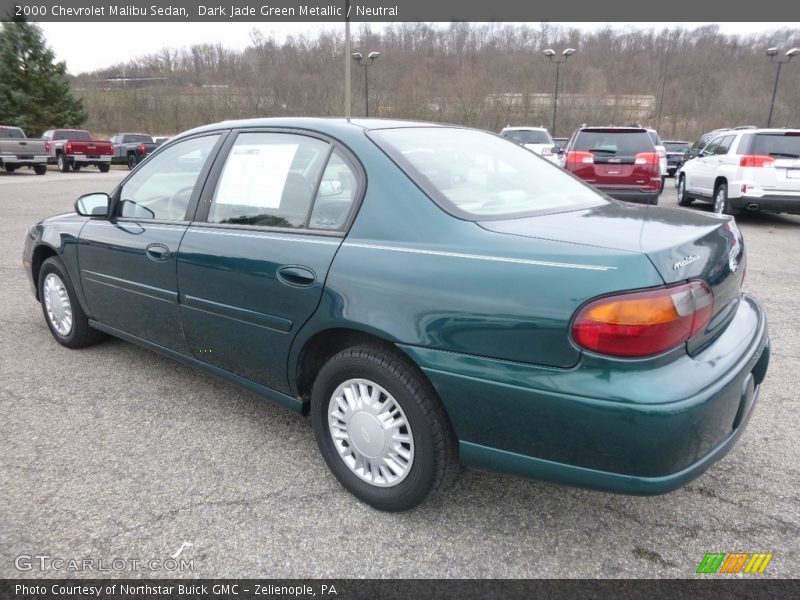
737 562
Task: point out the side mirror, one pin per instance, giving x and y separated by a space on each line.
93 205
330 187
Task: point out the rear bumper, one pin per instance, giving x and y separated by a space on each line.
15 160
787 204
632 195
637 427
91 160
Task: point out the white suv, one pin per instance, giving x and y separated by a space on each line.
661 150
752 169
535 139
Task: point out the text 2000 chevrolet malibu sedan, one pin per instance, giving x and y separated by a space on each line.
429 294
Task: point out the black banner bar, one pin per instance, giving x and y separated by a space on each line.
276 11
711 588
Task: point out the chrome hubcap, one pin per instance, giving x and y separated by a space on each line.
719 202
371 432
57 305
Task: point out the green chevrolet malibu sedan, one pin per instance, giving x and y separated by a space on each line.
431 295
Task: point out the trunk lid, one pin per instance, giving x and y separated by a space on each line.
680 244
89 148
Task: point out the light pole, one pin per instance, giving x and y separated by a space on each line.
772 53
365 62
551 55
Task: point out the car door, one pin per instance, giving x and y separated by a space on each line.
701 175
128 261
252 267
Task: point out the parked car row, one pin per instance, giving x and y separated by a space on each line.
72 149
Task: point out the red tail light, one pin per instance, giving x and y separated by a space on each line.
142 149
638 324
577 158
69 147
756 160
646 158
47 146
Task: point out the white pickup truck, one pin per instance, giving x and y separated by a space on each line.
17 151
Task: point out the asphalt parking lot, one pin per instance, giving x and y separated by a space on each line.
116 452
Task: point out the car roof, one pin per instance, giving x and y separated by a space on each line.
675 141
612 128
525 128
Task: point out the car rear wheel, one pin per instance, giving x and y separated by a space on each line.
76 167
381 428
40 169
63 164
683 198
104 168
62 311
132 161
722 205
10 168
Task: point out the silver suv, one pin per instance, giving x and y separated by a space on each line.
745 169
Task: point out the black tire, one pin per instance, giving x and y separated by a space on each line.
10 168
76 167
80 334
683 198
104 168
132 161
40 169
721 203
62 162
663 182
435 459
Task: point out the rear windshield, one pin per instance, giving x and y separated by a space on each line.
477 175
776 144
527 136
80 136
136 138
676 146
614 142
11 133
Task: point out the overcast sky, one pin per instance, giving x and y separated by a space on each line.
79 43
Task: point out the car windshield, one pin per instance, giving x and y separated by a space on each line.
614 142
11 133
135 138
676 146
473 174
72 134
785 145
527 136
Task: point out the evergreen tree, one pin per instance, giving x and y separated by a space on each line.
34 89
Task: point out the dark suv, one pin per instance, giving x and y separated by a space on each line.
620 161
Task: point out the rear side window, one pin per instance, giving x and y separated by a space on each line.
724 144
655 138
614 142
270 180
476 175
780 145
527 136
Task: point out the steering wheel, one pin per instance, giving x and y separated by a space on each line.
178 201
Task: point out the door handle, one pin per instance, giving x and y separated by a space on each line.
297 276
157 252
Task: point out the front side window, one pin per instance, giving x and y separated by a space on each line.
162 187
270 180
474 175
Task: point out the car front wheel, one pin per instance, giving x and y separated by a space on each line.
722 205
62 311
683 198
381 428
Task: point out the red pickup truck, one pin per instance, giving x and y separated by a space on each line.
75 148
